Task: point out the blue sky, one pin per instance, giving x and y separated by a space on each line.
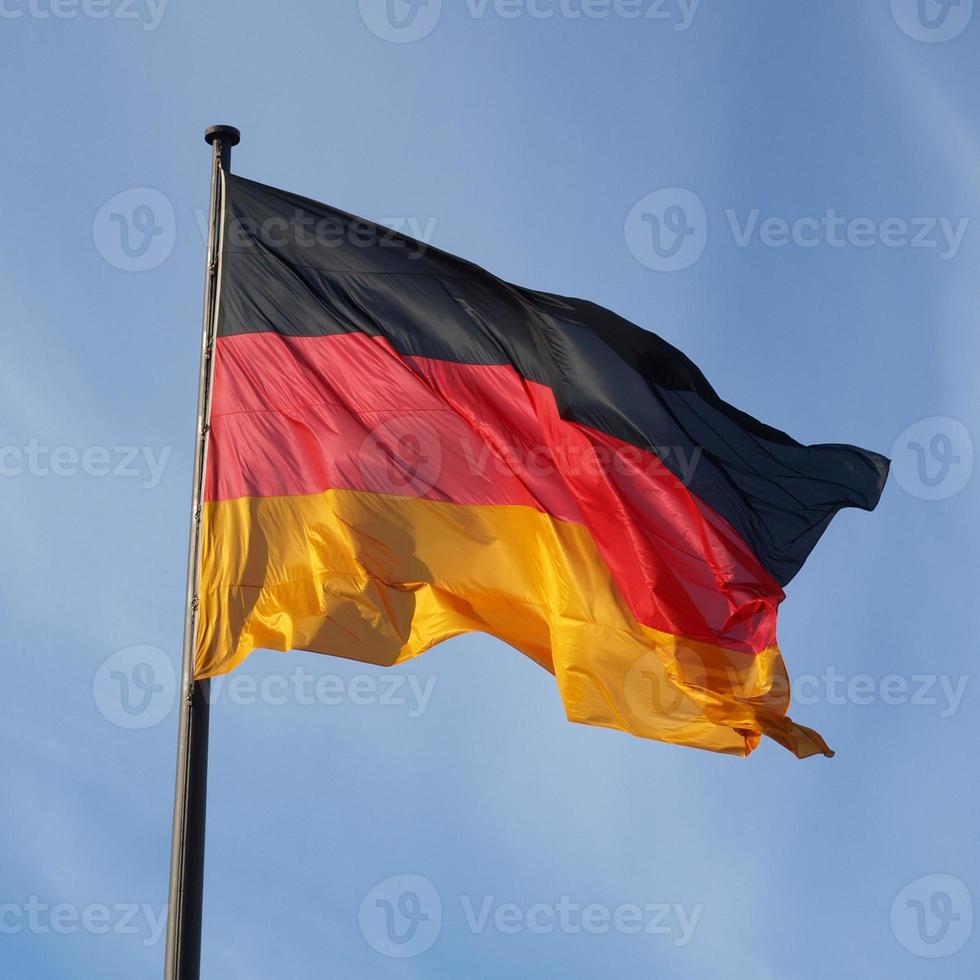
826 156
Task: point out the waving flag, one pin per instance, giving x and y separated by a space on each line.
404 448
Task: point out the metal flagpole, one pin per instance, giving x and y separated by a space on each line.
190 797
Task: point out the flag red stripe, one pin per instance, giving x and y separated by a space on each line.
301 415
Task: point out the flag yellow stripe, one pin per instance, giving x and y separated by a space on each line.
380 579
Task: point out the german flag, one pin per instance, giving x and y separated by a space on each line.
404 448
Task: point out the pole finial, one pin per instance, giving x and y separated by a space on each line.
229 133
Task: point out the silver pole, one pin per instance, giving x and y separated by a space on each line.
190 797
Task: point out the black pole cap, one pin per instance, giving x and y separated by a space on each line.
229 133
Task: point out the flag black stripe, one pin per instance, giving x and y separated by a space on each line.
299 268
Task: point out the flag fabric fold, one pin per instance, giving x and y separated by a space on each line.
404 448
